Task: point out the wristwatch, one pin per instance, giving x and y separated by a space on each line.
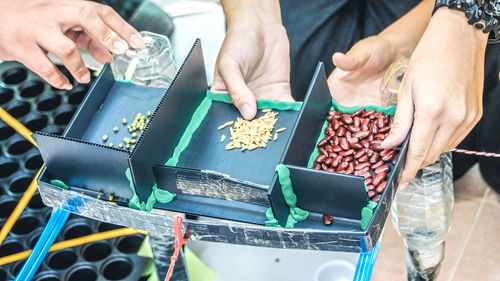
482 14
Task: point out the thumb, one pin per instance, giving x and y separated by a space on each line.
353 59
241 95
403 118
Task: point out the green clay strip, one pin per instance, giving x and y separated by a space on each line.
59 183
296 213
193 125
367 213
271 220
261 104
390 110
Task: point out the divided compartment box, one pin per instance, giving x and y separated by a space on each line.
235 188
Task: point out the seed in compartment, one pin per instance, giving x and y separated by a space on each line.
222 138
127 146
110 144
132 141
120 145
124 121
327 219
104 138
115 129
148 113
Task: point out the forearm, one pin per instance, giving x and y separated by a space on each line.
405 33
252 11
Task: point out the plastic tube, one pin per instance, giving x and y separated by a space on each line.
20 128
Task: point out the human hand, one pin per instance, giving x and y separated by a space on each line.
253 63
441 92
359 72
33 28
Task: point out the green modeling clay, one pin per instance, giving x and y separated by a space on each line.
59 183
367 213
296 213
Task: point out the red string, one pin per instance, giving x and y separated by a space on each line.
179 242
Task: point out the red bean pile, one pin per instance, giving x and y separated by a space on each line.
352 146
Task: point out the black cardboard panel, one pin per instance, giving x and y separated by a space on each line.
311 120
322 192
83 164
207 184
206 152
169 120
90 104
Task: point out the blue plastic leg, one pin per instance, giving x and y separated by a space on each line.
365 264
43 245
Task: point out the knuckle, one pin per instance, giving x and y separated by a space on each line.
48 71
86 12
418 154
106 36
106 11
66 49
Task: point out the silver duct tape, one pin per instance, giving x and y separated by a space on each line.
216 185
204 229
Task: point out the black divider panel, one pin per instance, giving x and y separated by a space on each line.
91 104
322 192
311 120
168 122
82 164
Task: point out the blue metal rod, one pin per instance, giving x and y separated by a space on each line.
43 245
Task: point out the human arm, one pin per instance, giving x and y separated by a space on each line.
253 62
33 28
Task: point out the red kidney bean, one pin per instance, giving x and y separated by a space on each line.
379 178
332 154
370 137
395 158
380 121
329 131
381 187
353 128
335 141
347 118
357 146
330 170
316 166
363 159
328 161
365 127
329 118
357 121
365 143
388 157
374 158
341 132
322 151
324 167
341 167
323 142
348 158
350 169
344 144
359 153
348 134
371 194
341 123
328 148
337 161
375 145
335 124
383 168
375 115
378 164
347 152
367 175
334 113
320 158
358 112
368 181
327 219
384 129
361 166
369 152
379 136
368 113
376 198
384 152
361 134
337 148
352 141
364 170
370 187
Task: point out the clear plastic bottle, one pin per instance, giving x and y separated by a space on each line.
422 212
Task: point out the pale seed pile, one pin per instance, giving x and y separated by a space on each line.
135 129
249 135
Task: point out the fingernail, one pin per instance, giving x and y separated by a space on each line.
137 41
119 47
85 78
246 111
68 87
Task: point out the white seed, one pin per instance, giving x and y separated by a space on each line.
110 144
222 138
115 129
105 138
120 145
124 121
